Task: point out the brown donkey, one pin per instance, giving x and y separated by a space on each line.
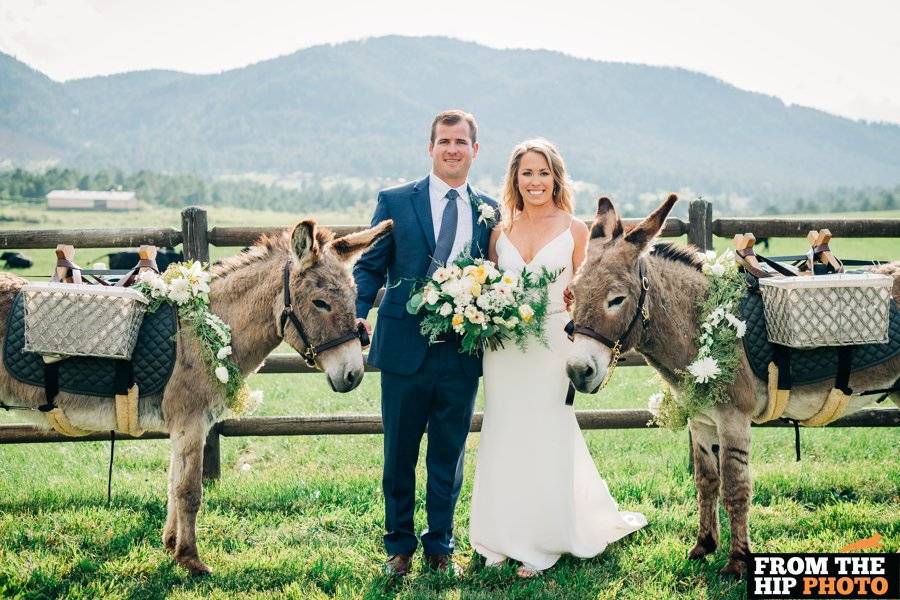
247 292
608 290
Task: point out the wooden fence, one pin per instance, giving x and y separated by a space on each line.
196 237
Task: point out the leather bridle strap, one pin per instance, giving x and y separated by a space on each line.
310 352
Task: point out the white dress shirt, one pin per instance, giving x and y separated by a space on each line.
437 190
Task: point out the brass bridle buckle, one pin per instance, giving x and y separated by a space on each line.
310 357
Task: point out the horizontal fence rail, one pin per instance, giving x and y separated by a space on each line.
196 238
761 227
89 238
371 424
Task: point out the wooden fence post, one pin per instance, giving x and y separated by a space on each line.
196 247
700 235
700 224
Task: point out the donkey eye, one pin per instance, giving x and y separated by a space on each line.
615 301
322 305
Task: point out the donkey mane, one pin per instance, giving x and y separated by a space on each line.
677 253
267 245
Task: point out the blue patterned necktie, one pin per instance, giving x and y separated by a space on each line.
447 234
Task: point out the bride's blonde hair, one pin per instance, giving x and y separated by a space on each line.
562 188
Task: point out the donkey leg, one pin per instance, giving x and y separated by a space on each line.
170 531
737 488
187 451
705 449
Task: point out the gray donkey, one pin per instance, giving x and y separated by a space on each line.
608 293
247 292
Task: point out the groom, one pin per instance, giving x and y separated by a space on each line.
423 388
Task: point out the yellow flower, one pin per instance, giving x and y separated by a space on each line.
526 312
476 289
480 274
457 320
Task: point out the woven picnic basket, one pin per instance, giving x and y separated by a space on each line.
70 319
842 309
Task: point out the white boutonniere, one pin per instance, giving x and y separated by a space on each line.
487 214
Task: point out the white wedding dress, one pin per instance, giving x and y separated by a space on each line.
537 494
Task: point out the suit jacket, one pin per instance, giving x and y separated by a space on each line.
398 260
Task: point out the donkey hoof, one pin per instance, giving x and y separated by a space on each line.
194 566
706 544
735 567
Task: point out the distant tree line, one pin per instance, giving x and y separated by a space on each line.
842 199
178 190
320 193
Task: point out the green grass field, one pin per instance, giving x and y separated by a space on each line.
302 517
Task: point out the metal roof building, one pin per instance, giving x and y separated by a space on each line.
89 200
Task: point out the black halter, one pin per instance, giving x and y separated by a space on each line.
310 352
616 346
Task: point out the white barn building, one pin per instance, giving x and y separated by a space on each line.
89 200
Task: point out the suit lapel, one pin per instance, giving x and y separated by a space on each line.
421 202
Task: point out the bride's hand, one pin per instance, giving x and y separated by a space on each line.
568 297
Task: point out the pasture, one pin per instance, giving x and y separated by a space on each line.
302 517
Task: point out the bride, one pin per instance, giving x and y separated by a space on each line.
537 493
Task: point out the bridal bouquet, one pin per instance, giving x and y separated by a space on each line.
485 307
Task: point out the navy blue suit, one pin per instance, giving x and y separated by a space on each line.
422 387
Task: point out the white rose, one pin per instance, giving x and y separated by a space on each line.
222 374
441 274
446 309
223 352
432 296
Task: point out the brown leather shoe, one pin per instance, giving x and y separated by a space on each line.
443 563
398 565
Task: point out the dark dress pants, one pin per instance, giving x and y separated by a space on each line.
438 398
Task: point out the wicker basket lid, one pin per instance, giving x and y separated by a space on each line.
836 280
85 289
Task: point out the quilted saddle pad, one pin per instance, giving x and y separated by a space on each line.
814 364
153 357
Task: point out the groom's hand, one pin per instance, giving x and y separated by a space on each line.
365 324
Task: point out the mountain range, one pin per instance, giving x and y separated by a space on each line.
363 109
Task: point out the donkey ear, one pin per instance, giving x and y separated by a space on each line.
607 224
349 247
304 245
650 227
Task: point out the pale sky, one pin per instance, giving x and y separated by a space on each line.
840 56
